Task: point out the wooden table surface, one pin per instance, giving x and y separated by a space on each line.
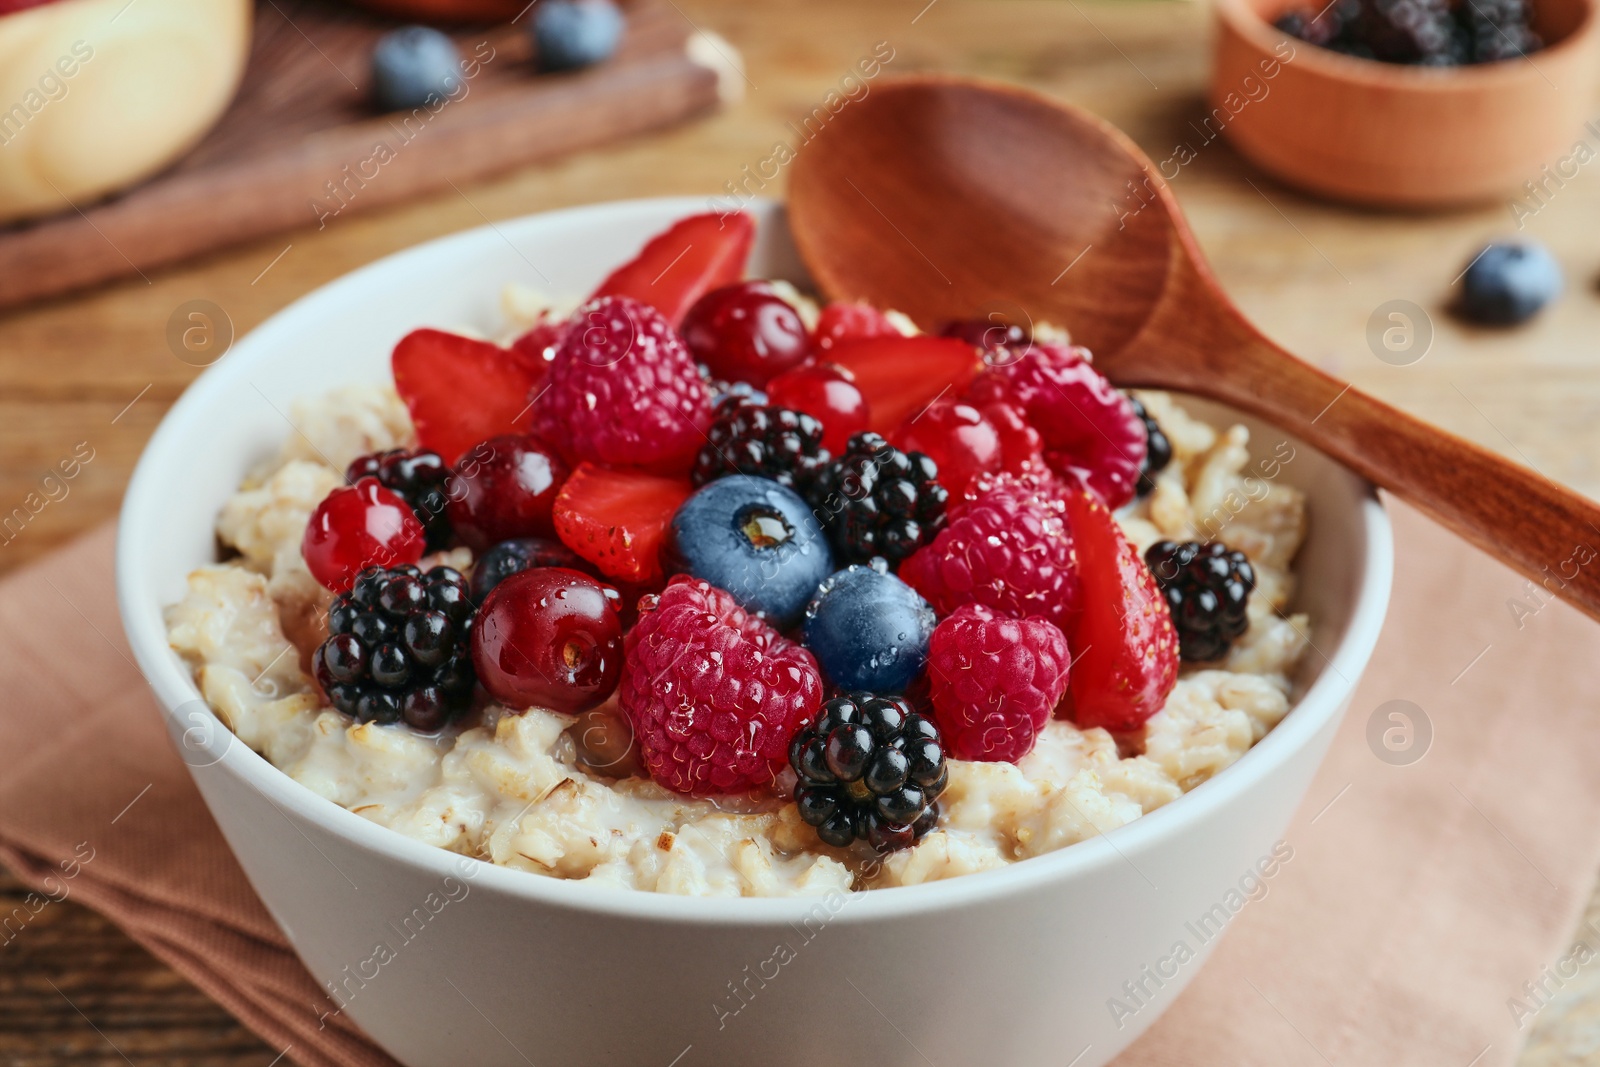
97 368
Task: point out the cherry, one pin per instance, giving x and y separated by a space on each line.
359 526
966 441
986 334
828 393
848 322
549 638
503 488
746 333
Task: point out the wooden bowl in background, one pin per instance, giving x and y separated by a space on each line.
96 95
1399 136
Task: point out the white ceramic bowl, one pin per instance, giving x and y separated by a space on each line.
1014 966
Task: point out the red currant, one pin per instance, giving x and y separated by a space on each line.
746 333
505 487
849 322
966 441
828 393
549 638
359 526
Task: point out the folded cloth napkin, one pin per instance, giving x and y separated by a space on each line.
1440 861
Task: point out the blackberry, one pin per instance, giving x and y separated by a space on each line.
879 501
421 479
766 441
1158 450
870 769
1207 587
1498 29
399 647
515 556
725 396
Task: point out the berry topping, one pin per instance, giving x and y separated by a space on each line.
746 333
504 488
879 501
617 519
994 681
360 526
768 442
714 693
869 769
573 34
549 638
725 396
1207 587
398 647
684 262
623 390
827 392
1157 450
756 540
850 322
1127 649
1091 433
965 442
538 344
868 630
412 67
1508 284
514 557
421 479
1007 547
461 391
899 376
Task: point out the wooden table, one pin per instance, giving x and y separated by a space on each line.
97 368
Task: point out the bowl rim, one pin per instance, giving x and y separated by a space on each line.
174 686
1240 17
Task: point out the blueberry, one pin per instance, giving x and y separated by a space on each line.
571 34
412 66
868 630
755 539
1508 283
514 557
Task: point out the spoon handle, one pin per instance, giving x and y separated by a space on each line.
1545 531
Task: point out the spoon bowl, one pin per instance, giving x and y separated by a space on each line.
954 198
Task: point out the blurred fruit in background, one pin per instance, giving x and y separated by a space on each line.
446 10
96 95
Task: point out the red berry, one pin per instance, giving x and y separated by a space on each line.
714 693
1006 546
683 263
1127 647
994 681
746 333
900 376
828 393
850 322
623 390
538 344
986 334
1020 444
966 442
618 519
549 638
360 526
460 390
1091 433
505 487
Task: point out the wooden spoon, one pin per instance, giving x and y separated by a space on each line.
949 198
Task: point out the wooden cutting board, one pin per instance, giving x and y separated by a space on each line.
301 145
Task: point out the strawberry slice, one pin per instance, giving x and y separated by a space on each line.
460 390
677 267
899 376
616 519
841 321
1127 648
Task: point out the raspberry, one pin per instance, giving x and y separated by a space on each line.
994 681
1091 432
623 390
714 693
1007 546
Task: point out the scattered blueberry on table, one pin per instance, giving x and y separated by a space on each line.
573 34
413 65
1508 283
